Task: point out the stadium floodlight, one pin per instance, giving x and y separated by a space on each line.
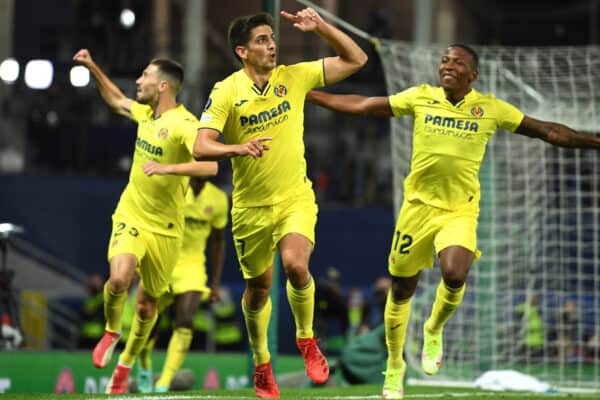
80 76
39 74
127 18
9 70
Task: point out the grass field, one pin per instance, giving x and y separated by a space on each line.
352 392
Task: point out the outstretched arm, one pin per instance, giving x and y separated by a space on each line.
207 147
557 134
113 96
196 168
217 257
352 103
350 57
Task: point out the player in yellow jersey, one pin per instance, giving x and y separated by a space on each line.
273 200
452 125
148 221
206 210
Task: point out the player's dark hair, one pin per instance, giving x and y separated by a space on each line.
172 70
241 28
469 50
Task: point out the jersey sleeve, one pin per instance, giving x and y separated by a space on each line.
509 116
402 103
188 130
310 73
217 108
139 111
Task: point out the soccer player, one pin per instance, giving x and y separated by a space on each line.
148 221
452 124
273 200
206 210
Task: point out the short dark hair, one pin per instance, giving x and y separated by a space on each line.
173 71
469 50
241 27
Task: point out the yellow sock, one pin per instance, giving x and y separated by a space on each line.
302 303
178 347
146 353
446 301
113 308
257 324
138 335
396 316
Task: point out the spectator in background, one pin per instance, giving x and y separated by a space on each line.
92 313
227 330
331 311
568 339
373 314
530 328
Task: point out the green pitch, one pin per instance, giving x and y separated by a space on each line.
352 392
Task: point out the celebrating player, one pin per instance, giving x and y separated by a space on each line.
273 200
148 221
452 125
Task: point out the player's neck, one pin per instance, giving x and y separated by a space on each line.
455 96
164 104
259 77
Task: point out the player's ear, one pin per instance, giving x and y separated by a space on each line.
474 74
242 52
163 85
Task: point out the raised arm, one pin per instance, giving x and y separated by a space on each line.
350 57
352 103
207 147
113 96
216 253
557 134
196 168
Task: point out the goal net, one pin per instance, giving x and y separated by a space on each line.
539 227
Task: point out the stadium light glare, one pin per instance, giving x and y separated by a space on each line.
79 76
39 74
127 18
9 70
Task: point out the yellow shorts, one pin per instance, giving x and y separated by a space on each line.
156 254
421 229
258 230
188 276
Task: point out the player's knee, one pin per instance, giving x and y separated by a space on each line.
255 298
404 288
297 273
145 309
118 284
401 293
454 276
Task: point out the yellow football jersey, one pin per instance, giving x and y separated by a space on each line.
202 213
449 142
155 202
241 111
